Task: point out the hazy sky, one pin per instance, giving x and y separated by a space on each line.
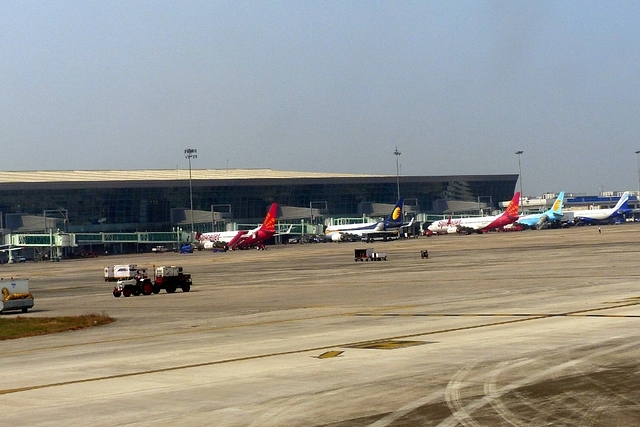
328 86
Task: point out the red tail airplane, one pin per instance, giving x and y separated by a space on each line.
243 239
486 223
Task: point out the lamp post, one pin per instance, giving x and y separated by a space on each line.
397 154
191 153
519 153
638 156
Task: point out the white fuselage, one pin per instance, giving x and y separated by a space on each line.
209 239
356 229
477 223
454 225
444 226
594 214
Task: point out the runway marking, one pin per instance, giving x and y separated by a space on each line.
536 315
192 330
247 358
522 318
388 344
578 313
330 354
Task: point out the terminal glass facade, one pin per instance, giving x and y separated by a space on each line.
146 205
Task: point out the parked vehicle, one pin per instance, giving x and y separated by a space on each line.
369 255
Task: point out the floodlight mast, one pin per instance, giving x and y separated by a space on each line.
519 153
397 154
191 153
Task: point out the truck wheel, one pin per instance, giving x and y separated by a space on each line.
136 291
171 288
147 288
186 287
24 309
117 294
126 291
155 289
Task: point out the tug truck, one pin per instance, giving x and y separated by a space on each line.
171 278
140 283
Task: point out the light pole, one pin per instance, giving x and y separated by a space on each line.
397 154
191 153
519 153
638 156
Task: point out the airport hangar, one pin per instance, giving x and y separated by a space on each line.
159 200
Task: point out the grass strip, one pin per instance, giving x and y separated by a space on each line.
20 327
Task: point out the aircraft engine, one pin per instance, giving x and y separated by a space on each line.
452 229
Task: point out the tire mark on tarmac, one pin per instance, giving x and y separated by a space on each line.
463 414
491 390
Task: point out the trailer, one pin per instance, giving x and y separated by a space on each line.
113 273
369 255
15 295
169 278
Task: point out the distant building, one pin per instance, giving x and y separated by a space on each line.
157 200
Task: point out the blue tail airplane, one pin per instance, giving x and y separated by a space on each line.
537 221
383 228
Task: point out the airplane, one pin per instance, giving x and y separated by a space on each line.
587 216
369 230
444 226
551 215
243 239
478 224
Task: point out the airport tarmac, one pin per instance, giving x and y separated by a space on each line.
530 328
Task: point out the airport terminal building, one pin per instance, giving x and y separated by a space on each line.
159 200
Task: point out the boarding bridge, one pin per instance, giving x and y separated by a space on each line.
72 240
52 245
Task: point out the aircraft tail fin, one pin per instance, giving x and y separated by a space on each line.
556 209
396 213
622 203
512 209
269 222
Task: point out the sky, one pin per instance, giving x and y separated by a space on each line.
327 86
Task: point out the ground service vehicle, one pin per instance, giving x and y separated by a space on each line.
15 295
113 273
171 278
168 278
369 255
140 283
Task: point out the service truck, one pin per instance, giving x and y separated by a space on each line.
15 295
168 278
369 255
